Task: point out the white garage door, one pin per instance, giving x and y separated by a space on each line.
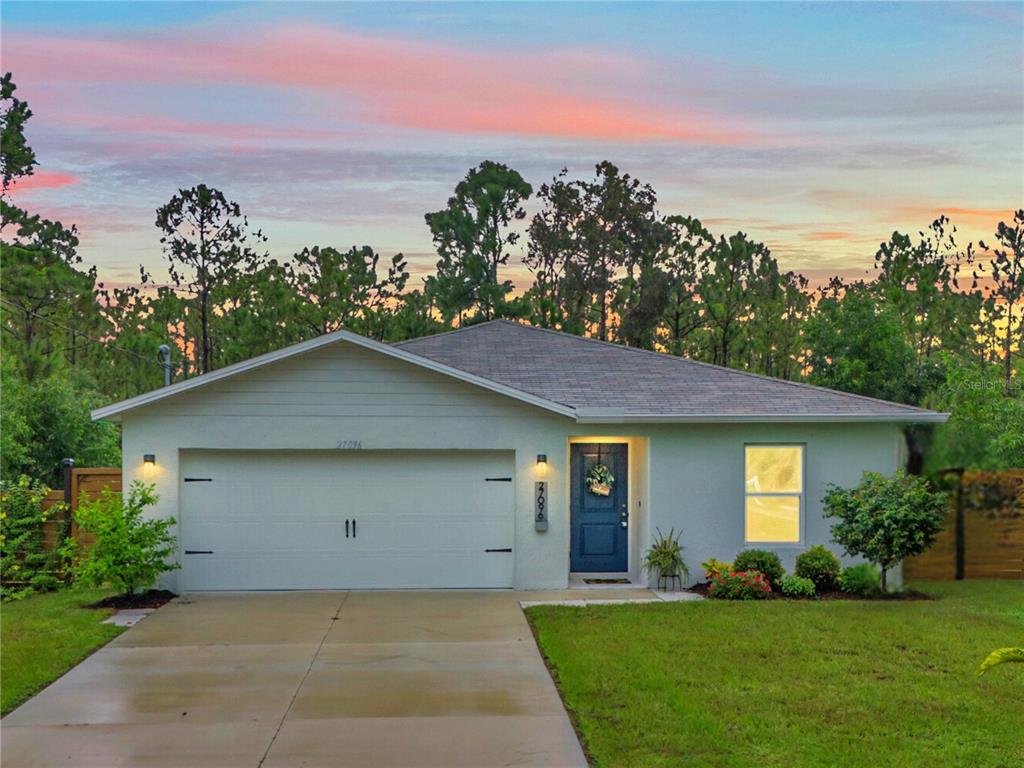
346 519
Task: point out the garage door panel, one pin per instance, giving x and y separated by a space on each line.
435 533
424 498
377 532
243 534
274 570
276 520
426 570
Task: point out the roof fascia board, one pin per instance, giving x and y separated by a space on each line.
595 417
310 345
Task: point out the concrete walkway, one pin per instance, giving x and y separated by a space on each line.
418 679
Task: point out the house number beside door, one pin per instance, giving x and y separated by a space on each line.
540 506
350 444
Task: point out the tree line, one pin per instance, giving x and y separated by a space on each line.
937 322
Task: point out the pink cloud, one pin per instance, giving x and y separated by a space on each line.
955 212
828 235
971 222
388 81
202 129
43 180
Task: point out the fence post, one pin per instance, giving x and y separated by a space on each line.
67 466
960 545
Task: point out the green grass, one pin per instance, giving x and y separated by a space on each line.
43 636
788 683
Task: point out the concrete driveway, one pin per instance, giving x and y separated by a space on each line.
379 679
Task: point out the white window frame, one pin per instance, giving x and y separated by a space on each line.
750 543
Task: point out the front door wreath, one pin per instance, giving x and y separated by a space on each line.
599 480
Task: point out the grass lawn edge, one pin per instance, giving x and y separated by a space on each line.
848 641
553 674
54 668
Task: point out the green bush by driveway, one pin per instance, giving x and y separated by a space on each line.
43 636
785 683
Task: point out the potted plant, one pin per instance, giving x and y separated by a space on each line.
666 558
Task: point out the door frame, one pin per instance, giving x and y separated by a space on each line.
627 444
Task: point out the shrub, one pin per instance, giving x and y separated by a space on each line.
666 556
797 586
45 582
860 580
130 551
740 585
886 519
24 564
714 567
819 565
760 560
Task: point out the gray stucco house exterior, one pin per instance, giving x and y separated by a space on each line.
495 456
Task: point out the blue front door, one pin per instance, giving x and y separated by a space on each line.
600 532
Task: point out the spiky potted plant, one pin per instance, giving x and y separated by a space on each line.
665 557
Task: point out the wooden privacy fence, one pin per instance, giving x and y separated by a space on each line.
991 540
84 482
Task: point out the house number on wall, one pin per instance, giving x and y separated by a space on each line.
350 444
540 502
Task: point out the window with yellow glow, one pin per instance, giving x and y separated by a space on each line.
774 476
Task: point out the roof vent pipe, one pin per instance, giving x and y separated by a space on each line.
165 362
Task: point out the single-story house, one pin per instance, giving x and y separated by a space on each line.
495 455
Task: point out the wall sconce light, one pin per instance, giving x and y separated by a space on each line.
542 458
149 458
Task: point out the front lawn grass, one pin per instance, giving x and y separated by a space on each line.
43 636
794 683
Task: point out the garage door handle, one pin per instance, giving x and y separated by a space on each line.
198 551
506 549
346 529
353 529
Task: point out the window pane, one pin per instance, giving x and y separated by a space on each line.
774 468
773 518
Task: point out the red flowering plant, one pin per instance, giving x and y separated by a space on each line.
740 585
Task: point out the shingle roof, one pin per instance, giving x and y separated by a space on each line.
608 382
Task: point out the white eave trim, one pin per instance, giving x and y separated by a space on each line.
603 416
188 385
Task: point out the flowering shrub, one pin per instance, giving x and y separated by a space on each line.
25 567
762 561
714 567
797 586
740 585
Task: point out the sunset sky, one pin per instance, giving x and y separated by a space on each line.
817 128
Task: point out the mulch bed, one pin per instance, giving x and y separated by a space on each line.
154 598
908 594
701 589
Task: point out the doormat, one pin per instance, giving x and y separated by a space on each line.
607 581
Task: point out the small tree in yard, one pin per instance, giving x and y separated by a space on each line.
885 519
130 551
